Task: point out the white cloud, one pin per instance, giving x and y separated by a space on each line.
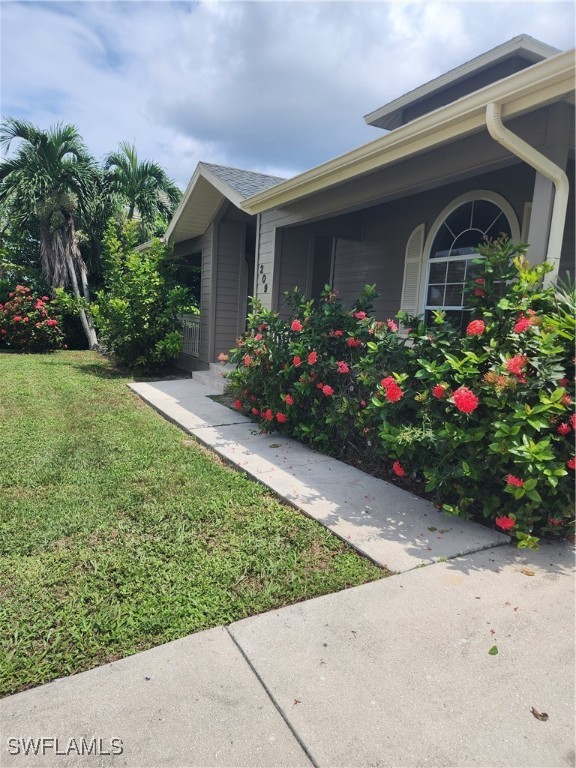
273 86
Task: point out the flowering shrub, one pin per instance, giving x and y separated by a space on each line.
29 323
482 421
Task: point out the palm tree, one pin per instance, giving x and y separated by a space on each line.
47 183
143 186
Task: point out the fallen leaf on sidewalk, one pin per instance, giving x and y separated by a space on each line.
274 445
526 572
539 715
493 651
296 701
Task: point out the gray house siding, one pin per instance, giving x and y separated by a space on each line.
378 257
463 163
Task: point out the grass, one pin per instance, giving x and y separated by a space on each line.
118 532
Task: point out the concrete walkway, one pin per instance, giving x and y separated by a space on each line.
393 673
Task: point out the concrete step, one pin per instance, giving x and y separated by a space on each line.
214 377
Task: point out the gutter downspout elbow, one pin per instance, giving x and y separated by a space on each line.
547 168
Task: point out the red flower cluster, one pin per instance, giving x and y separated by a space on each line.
352 342
517 364
296 325
392 391
398 469
515 481
465 400
522 323
281 417
343 367
475 328
564 428
360 315
571 463
392 325
337 334
297 362
312 358
327 390
289 400
479 291
439 391
247 360
505 523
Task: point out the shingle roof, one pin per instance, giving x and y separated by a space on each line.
244 183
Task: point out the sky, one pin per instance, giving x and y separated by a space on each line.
275 87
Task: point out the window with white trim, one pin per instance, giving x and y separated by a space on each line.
453 252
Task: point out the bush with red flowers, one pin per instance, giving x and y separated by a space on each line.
483 422
29 323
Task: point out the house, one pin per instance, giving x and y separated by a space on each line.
484 149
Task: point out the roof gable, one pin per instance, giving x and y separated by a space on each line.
208 188
499 62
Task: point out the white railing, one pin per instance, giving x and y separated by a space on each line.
191 334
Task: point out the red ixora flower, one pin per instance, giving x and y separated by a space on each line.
281 417
247 360
475 328
359 315
398 469
522 323
566 399
554 521
572 420
505 522
289 400
517 364
439 391
352 342
296 361
465 400
564 428
296 325
312 358
267 414
392 325
515 481
571 463
328 390
16 318
392 391
238 405
343 367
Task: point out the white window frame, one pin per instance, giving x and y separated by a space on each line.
467 197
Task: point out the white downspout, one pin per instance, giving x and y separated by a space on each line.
547 168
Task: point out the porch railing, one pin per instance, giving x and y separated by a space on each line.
191 334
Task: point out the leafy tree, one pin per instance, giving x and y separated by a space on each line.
137 312
143 187
47 184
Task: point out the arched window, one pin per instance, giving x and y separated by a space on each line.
451 245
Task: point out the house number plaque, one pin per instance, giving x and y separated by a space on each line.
263 278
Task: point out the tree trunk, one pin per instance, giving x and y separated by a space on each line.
85 317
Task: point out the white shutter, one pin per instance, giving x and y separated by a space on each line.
412 271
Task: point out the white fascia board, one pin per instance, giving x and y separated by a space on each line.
182 205
217 183
520 44
529 89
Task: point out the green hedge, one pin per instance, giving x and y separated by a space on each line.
483 422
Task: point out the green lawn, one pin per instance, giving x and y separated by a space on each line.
118 532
